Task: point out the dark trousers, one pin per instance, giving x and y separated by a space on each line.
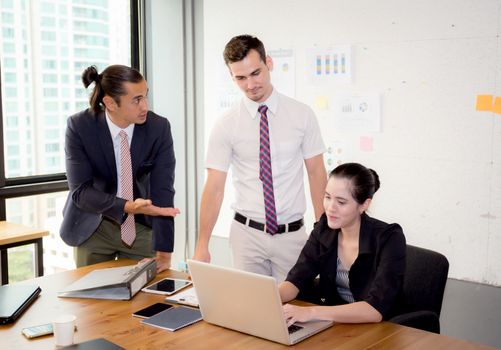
106 244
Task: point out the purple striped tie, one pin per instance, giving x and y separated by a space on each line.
265 173
128 229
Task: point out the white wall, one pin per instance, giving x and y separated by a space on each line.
438 159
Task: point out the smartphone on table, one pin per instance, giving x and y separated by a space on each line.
167 286
151 310
37 331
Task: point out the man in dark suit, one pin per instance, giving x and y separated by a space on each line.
120 168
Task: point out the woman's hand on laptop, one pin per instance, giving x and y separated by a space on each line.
293 313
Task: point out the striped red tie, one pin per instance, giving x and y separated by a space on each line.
128 228
265 173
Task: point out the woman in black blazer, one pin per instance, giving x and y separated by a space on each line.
360 260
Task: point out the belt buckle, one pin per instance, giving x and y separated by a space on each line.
286 228
264 229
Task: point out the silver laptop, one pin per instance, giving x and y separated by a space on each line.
246 302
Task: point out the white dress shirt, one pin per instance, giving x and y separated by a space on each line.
115 130
294 136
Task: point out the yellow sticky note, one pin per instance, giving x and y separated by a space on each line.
484 103
321 102
497 105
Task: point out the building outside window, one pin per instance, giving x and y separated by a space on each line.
42 45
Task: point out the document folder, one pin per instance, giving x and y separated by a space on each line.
117 283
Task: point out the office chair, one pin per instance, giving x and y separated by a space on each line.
424 285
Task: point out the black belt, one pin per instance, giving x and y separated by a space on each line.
291 227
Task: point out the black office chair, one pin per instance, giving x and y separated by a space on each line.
424 285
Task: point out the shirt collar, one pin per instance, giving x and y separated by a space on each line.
115 130
271 103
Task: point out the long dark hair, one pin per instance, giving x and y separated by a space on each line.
110 82
364 181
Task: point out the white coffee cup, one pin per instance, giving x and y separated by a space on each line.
64 329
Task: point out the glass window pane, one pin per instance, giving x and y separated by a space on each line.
9 48
13 150
50 78
10 77
21 262
9 62
48 22
43 212
37 70
11 122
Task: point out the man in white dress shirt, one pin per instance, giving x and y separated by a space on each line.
294 139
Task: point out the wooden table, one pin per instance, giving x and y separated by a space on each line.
113 320
15 235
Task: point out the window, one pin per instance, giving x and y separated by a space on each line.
13 150
49 78
53 162
10 77
43 211
52 147
89 13
49 51
50 107
11 121
7 18
51 134
90 40
48 7
49 64
97 54
51 56
9 62
50 92
49 36
14 164
80 93
9 48
48 22
7 4
51 120
38 60
91 26
10 92
8 33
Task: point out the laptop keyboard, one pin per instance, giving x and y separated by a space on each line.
294 328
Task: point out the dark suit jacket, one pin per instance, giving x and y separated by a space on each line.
92 176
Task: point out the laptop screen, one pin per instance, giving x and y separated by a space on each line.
14 299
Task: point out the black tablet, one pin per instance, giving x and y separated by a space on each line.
167 286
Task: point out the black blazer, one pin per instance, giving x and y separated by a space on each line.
92 176
376 276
